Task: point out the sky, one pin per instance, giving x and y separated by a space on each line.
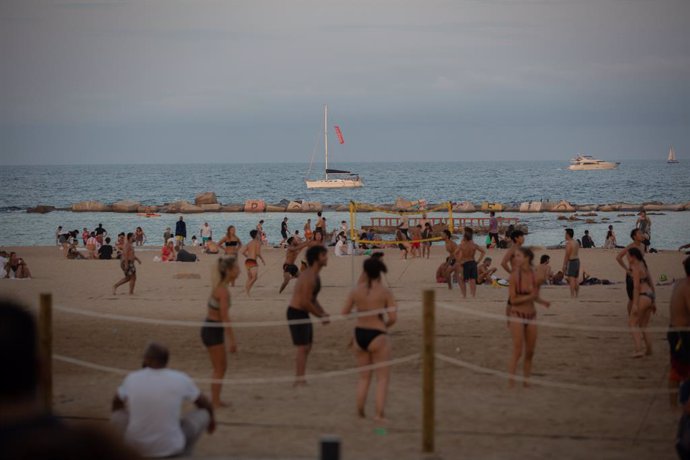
189 81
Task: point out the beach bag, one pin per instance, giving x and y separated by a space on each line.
184 256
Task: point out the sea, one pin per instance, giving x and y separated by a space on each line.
635 181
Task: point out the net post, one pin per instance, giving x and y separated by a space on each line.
330 448
45 350
428 390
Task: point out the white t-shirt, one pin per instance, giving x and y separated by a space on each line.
342 248
154 400
205 231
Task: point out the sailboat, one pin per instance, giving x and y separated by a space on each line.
343 179
671 156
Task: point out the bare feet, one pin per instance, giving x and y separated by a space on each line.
381 419
221 404
360 413
638 354
299 383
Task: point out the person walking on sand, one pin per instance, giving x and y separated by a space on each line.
679 341
524 293
303 303
464 255
252 253
371 342
284 231
493 230
571 262
213 334
637 242
127 265
453 267
290 270
644 224
518 239
180 232
643 302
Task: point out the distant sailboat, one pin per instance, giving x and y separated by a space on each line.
347 179
671 156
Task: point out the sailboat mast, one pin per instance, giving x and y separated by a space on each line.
325 135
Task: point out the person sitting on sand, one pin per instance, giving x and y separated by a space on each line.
485 272
543 271
587 241
442 272
105 252
679 340
372 344
168 252
610 242
17 268
341 247
147 408
643 302
524 293
211 247
213 333
74 254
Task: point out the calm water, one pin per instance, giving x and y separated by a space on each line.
634 181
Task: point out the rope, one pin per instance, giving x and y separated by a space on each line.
556 325
173 322
548 383
425 240
250 380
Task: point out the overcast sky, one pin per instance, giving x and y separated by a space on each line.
150 81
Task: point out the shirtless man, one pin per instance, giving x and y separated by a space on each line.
637 238
416 235
127 265
453 267
290 270
464 254
571 262
485 271
252 252
302 304
518 239
679 341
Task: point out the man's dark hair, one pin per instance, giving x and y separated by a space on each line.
570 232
492 213
586 232
633 232
447 232
377 255
314 253
107 240
516 234
469 233
156 354
290 240
318 213
253 233
130 235
544 258
18 352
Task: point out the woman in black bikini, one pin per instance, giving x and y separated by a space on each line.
230 242
372 345
642 302
218 311
524 292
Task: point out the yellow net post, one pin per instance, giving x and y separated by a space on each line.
353 221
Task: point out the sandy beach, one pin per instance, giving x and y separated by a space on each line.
478 416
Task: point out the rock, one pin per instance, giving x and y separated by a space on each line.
586 207
628 207
562 206
486 206
609 208
211 207
589 214
562 218
275 208
205 198
573 218
664 207
283 202
189 208
343 208
90 206
126 206
41 209
406 205
294 206
232 208
254 206
175 207
590 221
465 206
147 209
312 206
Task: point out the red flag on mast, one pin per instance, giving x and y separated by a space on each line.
339 133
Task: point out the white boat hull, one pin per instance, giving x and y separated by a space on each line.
591 167
334 183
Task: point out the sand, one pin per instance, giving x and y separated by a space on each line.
478 416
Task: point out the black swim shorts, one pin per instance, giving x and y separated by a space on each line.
291 269
302 333
211 335
469 270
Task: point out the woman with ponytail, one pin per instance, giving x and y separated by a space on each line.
214 333
372 345
643 297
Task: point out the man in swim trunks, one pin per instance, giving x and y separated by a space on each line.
180 232
416 235
464 254
252 252
290 270
679 341
127 265
571 262
453 267
303 303
638 237
206 234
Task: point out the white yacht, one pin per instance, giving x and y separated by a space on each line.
343 179
588 162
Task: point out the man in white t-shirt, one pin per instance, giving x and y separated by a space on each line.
147 408
206 233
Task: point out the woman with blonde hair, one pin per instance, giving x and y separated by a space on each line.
230 242
217 328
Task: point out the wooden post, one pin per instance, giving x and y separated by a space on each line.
45 350
428 374
330 448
